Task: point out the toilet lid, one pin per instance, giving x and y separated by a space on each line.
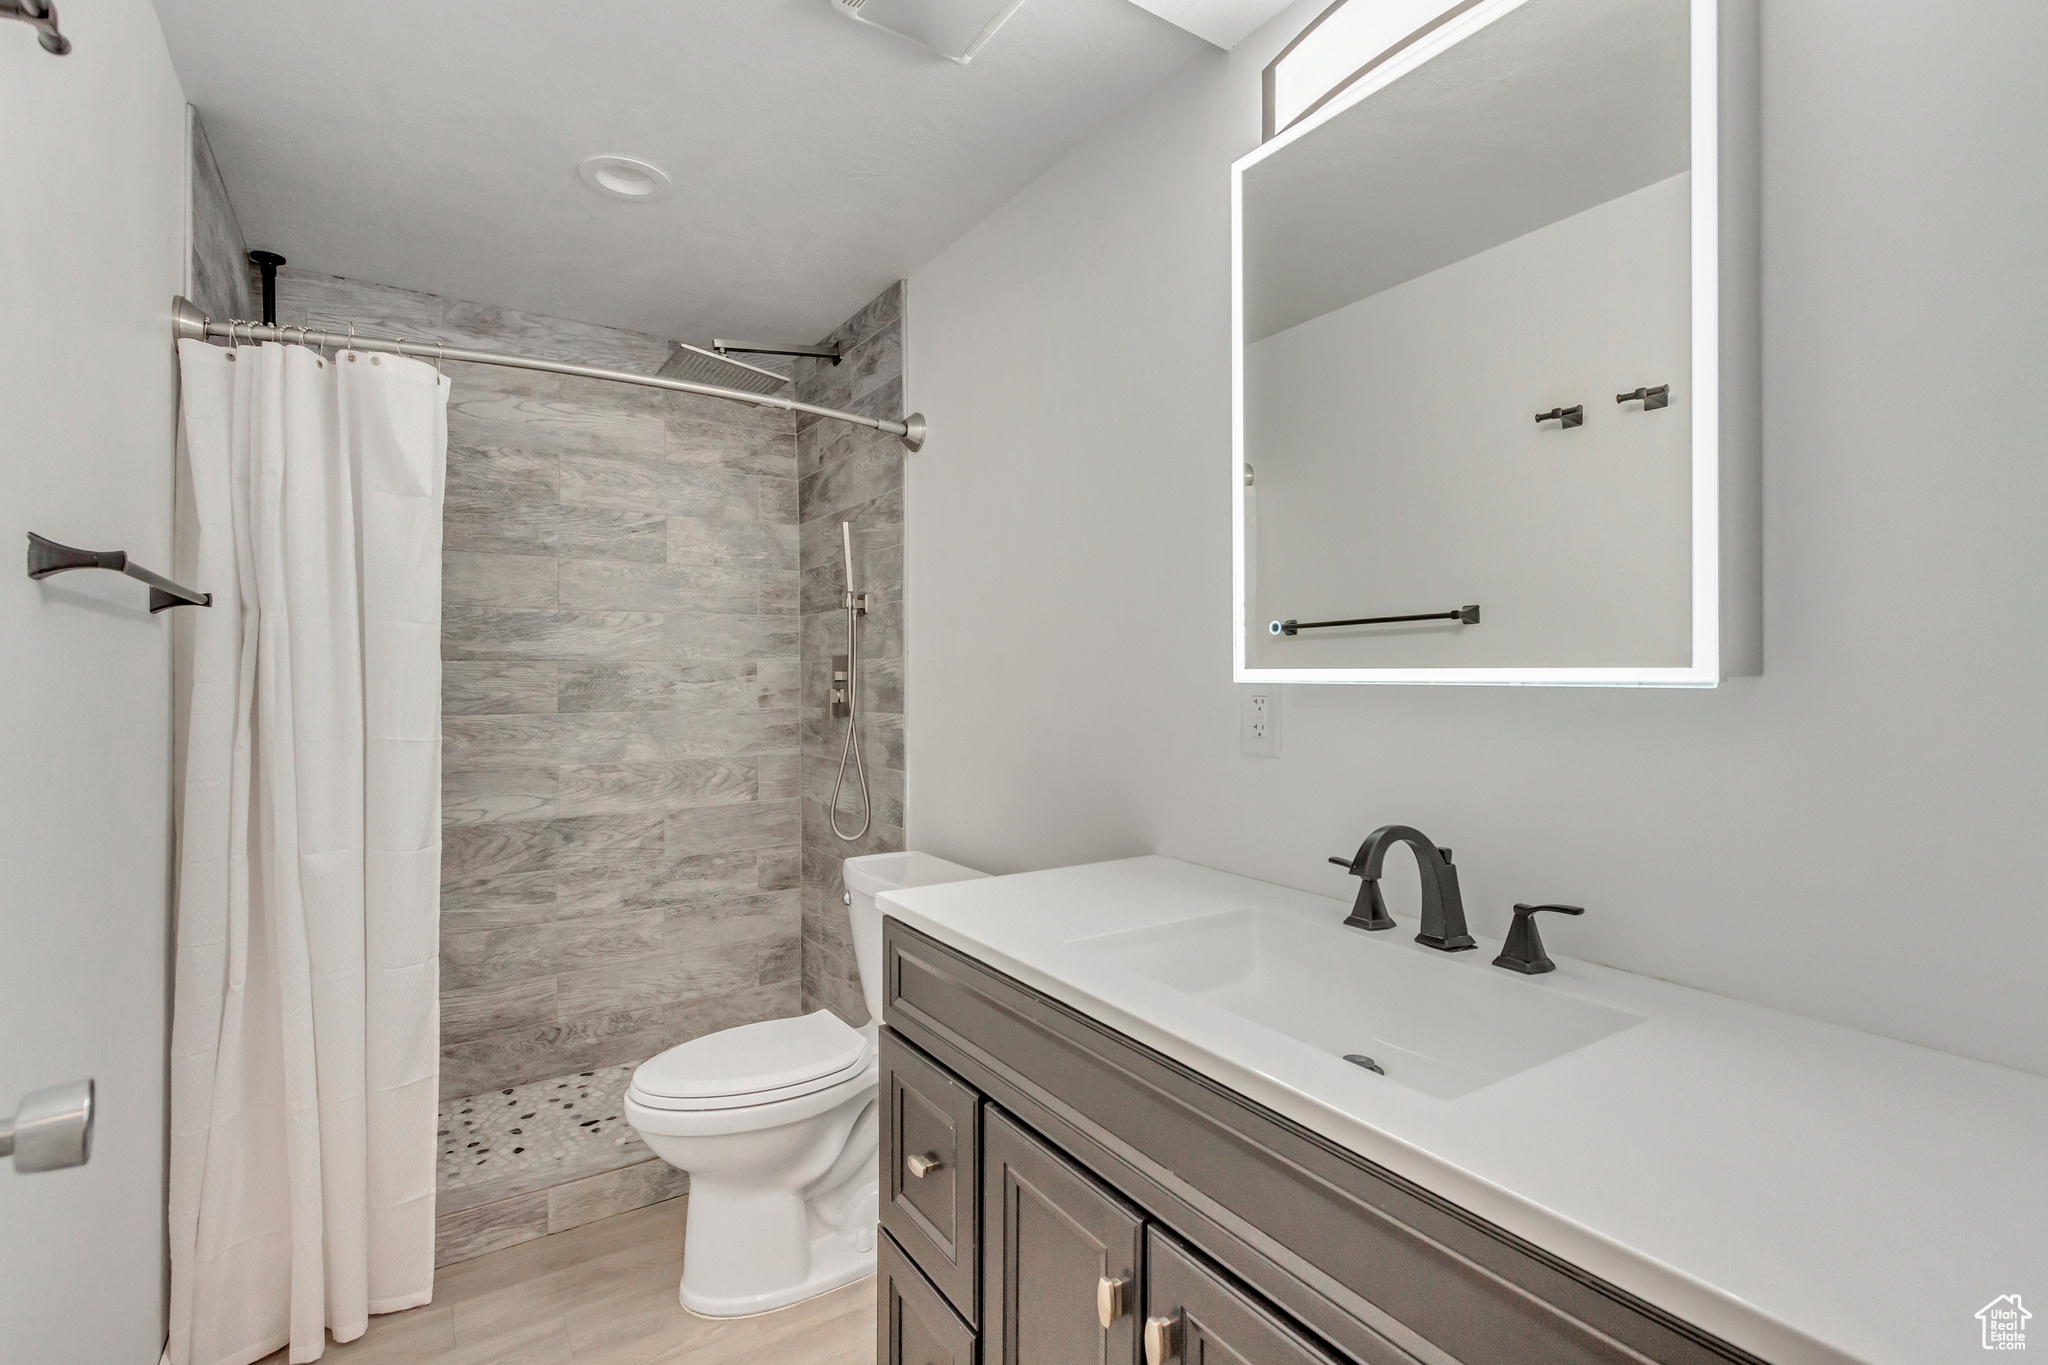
754 1063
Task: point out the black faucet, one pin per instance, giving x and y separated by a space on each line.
1443 909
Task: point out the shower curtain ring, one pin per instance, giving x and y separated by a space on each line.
438 348
351 340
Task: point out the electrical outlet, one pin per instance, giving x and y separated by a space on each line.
1259 720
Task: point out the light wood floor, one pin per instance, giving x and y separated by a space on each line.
603 1294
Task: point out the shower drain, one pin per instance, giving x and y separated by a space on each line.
1360 1059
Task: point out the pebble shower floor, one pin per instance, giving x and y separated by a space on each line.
568 1123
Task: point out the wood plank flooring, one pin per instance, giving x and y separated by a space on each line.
603 1294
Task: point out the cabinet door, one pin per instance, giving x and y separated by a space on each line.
1061 1257
931 1139
913 1325
1194 1316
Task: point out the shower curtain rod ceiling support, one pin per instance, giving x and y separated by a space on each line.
189 324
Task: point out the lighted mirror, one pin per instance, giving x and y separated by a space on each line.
1494 357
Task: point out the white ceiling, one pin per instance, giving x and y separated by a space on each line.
434 146
1225 23
1553 108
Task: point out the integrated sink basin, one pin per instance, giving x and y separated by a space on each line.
1438 1025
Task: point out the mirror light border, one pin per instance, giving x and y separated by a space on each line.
1705 669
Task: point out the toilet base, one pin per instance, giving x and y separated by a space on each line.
837 1259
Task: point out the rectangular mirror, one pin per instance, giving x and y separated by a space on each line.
1494 358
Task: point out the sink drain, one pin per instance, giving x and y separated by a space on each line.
1360 1059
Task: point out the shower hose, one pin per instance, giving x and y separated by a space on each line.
851 749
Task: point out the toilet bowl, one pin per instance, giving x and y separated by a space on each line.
777 1124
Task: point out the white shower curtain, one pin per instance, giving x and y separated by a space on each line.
304 1048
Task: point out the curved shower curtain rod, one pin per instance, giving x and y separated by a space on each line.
189 324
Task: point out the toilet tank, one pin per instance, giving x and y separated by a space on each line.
868 876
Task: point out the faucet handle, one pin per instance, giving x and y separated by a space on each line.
1370 910
1523 951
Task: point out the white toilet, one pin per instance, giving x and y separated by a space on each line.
776 1124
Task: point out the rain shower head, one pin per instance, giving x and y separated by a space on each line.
695 365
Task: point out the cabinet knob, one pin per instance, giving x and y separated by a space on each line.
1111 1300
922 1166
1162 1339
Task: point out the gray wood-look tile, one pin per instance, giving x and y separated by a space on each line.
674 489
489 848
494 580
711 918
623 586
670 978
722 542
498 633
518 741
577 1202
534 951
745 450
490 687
471 1232
643 788
590 1041
497 480
550 427
474 1011
724 829
497 526
709 636
475 795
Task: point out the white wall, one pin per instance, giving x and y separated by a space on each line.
92 202
1400 468
1855 835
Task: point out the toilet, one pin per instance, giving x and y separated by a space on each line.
777 1124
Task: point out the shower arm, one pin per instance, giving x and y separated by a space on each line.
189 324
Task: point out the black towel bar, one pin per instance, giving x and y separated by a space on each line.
46 557
1468 615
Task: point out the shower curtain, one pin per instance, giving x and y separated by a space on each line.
304 1044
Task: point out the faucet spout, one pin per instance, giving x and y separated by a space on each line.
1443 906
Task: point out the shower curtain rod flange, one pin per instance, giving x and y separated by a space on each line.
188 323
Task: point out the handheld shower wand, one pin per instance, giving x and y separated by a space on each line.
846 698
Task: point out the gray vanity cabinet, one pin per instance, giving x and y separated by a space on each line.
930 1162
913 1325
1089 1193
1193 1314
1060 1257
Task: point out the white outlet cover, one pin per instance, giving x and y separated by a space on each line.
1258 725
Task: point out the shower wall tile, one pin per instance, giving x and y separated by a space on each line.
622 800
220 258
499 580
548 529
853 474
486 688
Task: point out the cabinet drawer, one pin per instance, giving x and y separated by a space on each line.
1051 1236
913 1325
1200 1317
931 1149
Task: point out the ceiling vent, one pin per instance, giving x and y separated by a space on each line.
954 29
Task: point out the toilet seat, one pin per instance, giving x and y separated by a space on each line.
752 1065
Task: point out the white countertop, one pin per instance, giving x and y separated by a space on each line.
1806 1191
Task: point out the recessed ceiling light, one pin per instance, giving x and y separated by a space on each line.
625 177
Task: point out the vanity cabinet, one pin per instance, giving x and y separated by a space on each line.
1108 1206
1196 1315
1061 1257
